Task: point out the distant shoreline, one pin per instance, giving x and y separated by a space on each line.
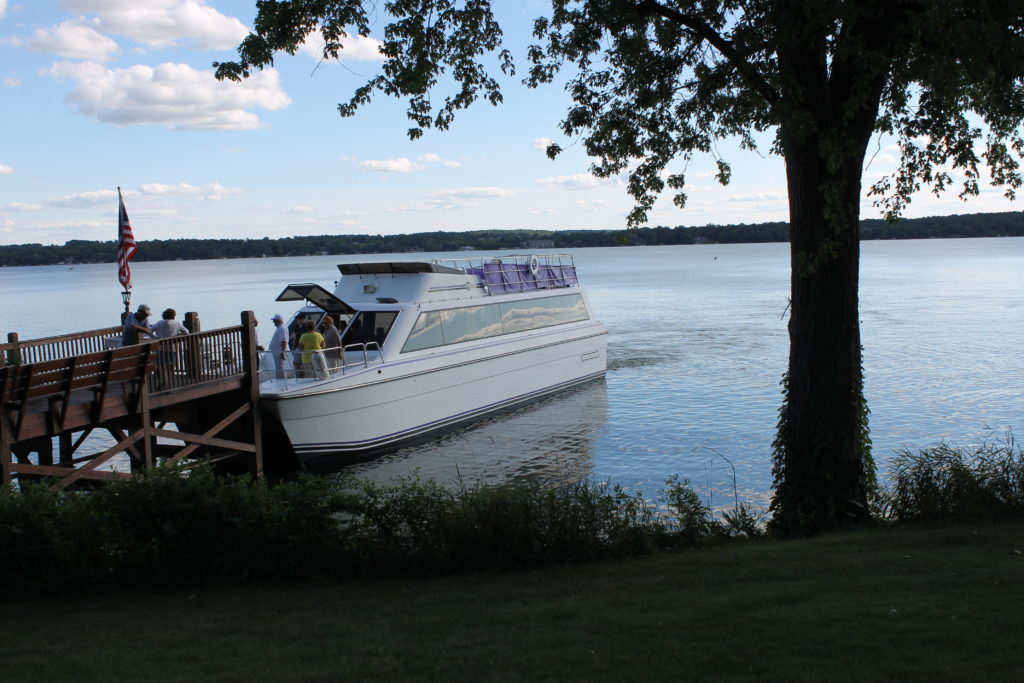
1004 224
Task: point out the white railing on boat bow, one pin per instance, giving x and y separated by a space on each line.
326 363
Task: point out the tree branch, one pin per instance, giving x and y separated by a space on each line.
725 47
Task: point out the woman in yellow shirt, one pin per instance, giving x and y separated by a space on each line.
310 342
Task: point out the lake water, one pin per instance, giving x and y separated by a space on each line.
697 347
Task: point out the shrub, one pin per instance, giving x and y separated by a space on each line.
190 527
950 481
420 526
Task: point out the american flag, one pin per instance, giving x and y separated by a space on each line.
125 245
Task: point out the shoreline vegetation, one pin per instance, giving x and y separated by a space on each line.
1005 224
206 578
191 527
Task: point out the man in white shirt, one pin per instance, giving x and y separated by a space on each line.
278 346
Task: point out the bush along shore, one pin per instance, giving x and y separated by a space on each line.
185 529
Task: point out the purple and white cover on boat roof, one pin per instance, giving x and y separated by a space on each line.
525 273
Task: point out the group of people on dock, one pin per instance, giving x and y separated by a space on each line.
137 328
313 351
302 349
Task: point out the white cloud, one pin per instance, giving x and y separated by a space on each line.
588 205
431 158
172 95
6 170
449 200
210 192
354 48
759 197
165 23
74 224
22 206
298 209
154 213
12 82
542 144
401 165
85 198
578 181
3 8
161 189
75 40
477 193
404 165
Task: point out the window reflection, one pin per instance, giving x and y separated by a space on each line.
439 328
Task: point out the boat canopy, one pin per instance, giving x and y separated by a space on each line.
318 296
390 267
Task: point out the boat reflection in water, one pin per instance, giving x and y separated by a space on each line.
550 441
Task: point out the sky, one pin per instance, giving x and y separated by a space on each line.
102 94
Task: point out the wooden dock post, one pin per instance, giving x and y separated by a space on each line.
252 380
13 353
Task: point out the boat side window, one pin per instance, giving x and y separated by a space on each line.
369 327
451 326
426 333
567 309
530 314
470 322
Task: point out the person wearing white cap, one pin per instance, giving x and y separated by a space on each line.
278 347
135 325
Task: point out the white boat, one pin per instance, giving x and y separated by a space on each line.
428 346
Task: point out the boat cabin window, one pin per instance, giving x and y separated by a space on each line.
529 314
369 326
439 328
426 333
470 322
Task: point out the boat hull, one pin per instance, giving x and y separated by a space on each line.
380 410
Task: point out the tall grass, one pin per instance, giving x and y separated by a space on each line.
171 529
950 481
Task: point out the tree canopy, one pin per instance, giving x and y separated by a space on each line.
654 82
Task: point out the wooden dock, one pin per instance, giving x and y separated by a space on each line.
62 389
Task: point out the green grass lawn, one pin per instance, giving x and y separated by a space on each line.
914 603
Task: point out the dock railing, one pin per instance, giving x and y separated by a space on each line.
17 352
178 361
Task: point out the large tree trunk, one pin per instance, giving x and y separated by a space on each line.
823 468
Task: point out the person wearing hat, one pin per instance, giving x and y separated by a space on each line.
136 326
278 344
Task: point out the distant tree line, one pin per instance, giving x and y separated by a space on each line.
84 251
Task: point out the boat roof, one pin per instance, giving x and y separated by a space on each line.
396 267
370 284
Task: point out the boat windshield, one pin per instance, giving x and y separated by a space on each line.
369 326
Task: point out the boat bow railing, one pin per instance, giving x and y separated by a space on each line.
327 363
365 350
